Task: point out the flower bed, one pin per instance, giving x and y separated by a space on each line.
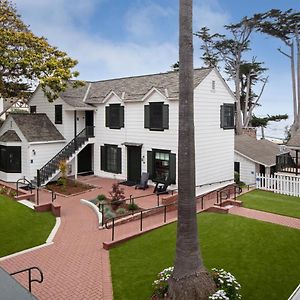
69 187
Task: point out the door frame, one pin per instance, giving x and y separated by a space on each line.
138 160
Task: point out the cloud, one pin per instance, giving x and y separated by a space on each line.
209 13
99 57
145 21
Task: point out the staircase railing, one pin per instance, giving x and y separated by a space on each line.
30 280
53 164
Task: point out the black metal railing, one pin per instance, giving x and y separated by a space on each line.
288 163
110 223
30 280
26 183
64 154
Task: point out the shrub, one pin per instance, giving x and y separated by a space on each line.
3 190
121 211
161 285
61 181
228 287
132 207
116 194
109 214
101 197
236 177
94 201
12 193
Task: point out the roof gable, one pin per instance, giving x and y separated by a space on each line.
36 127
260 151
10 136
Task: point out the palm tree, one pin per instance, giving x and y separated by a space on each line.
190 280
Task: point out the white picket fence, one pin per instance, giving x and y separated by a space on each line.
278 183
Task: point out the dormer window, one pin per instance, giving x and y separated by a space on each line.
114 116
156 116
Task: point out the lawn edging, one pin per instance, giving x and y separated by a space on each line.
95 209
48 242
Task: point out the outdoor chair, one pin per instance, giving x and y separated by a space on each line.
161 188
144 181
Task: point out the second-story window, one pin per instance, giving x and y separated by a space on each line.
227 116
156 116
114 116
58 114
32 109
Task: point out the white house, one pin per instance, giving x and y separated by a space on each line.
252 156
119 128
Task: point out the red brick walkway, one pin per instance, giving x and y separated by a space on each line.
265 216
76 266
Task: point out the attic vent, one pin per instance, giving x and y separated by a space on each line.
213 85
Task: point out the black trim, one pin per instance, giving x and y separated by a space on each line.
227 111
10 159
32 109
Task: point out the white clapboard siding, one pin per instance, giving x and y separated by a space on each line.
278 183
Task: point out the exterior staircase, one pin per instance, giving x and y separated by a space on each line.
51 168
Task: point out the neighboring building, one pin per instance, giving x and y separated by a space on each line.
130 125
252 156
11 105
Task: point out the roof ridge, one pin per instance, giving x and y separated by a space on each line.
145 75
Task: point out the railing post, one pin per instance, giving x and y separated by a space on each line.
157 199
130 199
29 279
102 211
202 204
165 214
113 230
141 221
37 196
38 177
53 196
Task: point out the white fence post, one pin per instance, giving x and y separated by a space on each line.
277 183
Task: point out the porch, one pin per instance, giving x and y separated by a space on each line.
288 162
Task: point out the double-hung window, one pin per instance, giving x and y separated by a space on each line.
58 114
156 116
111 156
227 116
114 116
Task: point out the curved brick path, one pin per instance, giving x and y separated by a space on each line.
75 266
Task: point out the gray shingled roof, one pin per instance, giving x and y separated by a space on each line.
37 127
10 136
132 88
261 151
294 141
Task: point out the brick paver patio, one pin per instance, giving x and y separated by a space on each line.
76 266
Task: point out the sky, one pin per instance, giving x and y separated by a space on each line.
118 38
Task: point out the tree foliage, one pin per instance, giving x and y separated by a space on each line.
26 59
220 50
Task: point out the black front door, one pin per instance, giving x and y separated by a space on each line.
85 160
89 122
133 164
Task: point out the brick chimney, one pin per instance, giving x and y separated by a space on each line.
250 131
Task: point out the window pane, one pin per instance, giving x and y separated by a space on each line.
161 166
114 116
156 115
112 163
228 117
58 114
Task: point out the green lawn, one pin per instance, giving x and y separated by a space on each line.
271 202
264 257
21 227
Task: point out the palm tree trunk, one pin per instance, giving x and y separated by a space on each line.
190 280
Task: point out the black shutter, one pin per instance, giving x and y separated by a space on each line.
103 158
121 116
58 114
146 116
221 116
119 160
172 170
150 164
107 123
166 116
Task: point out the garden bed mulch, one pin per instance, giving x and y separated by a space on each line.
72 188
